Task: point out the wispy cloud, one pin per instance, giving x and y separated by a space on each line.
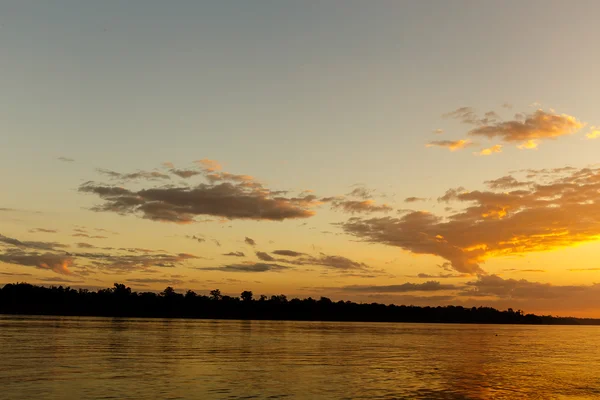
250 267
414 199
497 148
235 254
430 286
451 145
359 206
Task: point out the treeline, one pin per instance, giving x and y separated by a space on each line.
121 301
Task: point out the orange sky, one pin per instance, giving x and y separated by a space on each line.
305 152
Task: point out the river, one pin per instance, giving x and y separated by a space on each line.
119 358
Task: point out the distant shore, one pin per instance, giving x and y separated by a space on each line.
121 301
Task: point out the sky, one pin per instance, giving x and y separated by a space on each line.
425 153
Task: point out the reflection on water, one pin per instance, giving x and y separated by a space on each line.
111 358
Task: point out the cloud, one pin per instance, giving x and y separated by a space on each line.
85 235
559 212
182 204
451 145
537 126
250 267
442 276
361 192
199 239
132 262
466 115
264 256
430 286
149 175
250 241
337 263
42 230
287 253
165 281
66 159
507 106
414 199
507 182
209 165
517 271
493 285
438 131
235 254
594 133
32 244
14 274
83 245
583 269
48 261
168 164
528 145
490 150
58 280
184 173
355 206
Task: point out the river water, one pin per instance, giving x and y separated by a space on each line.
115 358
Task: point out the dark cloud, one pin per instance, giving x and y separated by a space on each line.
85 235
288 253
48 261
183 204
82 245
66 159
185 173
196 238
441 276
354 206
235 254
429 286
43 230
149 175
32 244
264 256
14 274
58 280
507 182
414 199
164 281
493 285
254 267
120 263
250 241
361 192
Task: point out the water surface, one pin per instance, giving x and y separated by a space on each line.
115 358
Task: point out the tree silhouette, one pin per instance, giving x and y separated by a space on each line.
216 294
121 301
246 296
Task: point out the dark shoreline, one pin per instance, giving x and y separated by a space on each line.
29 300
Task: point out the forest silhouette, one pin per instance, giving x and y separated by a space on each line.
121 301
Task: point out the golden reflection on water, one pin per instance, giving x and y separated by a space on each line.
89 358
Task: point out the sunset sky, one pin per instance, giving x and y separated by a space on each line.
421 152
